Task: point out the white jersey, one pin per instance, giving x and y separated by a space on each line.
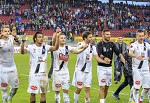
38 57
85 57
60 56
139 50
6 51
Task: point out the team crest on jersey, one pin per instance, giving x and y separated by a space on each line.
63 57
34 50
104 49
137 82
131 46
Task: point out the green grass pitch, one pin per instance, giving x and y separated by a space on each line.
22 62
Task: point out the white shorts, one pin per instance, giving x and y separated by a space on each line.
61 79
38 82
9 76
81 79
140 78
104 75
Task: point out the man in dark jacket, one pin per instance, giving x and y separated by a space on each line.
128 79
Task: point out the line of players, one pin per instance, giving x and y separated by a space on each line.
38 78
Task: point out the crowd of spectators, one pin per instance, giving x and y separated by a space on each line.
74 17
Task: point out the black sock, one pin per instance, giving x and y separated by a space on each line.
33 102
43 102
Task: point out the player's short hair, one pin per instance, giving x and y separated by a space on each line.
62 34
105 30
139 31
85 34
5 26
35 35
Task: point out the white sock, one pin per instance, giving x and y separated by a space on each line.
143 93
66 98
102 100
136 95
131 94
57 97
12 93
149 95
76 97
87 100
4 96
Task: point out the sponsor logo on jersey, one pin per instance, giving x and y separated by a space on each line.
58 85
33 87
137 82
79 83
4 84
63 57
103 80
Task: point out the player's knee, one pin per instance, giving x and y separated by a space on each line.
102 87
87 89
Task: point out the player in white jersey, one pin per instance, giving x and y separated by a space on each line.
146 90
38 79
61 78
8 70
139 53
83 69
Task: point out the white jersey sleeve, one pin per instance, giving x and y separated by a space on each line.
94 50
28 48
132 47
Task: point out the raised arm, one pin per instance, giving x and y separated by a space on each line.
23 50
56 46
16 38
58 30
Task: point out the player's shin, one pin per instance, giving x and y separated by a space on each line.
143 93
4 96
131 94
12 93
149 95
66 98
57 97
76 97
136 95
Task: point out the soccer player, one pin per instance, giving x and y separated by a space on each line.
83 69
8 70
139 53
146 90
38 78
61 77
105 50
52 59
